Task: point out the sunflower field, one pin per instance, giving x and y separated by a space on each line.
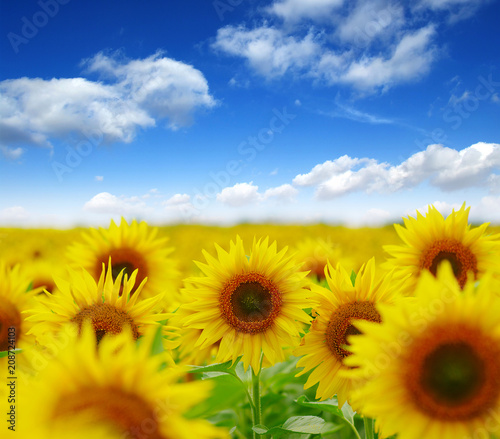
252 331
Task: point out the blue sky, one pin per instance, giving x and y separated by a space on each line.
223 111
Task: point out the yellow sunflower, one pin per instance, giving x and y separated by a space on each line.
131 247
15 297
120 386
315 253
432 368
432 239
249 304
108 304
324 347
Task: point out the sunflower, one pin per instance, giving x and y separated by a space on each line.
248 304
315 253
432 368
432 239
16 296
108 304
131 247
324 347
120 386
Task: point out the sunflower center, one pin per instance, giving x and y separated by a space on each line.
10 324
47 284
340 326
453 373
128 413
106 319
250 302
461 258
126 259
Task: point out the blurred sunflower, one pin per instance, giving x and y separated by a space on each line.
187 351
16 296
108 304
131 247
249 304
121 386
324 347
432 368
432 239
315 253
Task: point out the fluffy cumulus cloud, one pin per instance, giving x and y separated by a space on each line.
243 194
443 167
107 203
130 95
295 10
268 50
369 45
240 194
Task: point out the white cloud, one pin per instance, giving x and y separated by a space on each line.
243 194
99 178
137 94
285 192
181 207
272 53
370 19
11 153
268 50
488 209
107 203
444 168
494 183
240 194
326 170
178 199
376 217
411 58
295 10
13 215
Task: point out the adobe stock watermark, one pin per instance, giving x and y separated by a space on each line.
223 6
75 154
30 26
454 117
247 151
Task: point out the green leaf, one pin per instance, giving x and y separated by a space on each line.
295 424
329 405
7 353
227 393
227 367
353 277
348 413
157 345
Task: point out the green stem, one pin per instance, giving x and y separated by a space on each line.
257 413
368 428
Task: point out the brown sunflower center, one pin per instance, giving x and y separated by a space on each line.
106 319
340 326
10 324
46 283
126 259
126 412
316 268
461 258
250 302
453 373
